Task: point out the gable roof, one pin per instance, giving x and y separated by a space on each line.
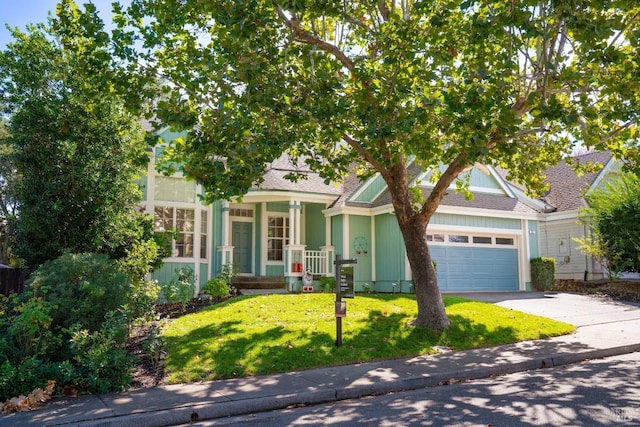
274 179
566 188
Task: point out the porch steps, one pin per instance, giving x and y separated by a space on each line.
259 282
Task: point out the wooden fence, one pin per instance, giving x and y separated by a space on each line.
12 280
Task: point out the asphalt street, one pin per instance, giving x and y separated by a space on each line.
593 393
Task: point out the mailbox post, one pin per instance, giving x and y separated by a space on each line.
344 283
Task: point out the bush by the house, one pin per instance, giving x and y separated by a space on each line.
543 270
69 327
181 288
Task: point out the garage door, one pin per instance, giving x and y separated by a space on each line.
473 268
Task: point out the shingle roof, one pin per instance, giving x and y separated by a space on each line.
274 179
566 188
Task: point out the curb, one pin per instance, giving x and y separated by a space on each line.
190 414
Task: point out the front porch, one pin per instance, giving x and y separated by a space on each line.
275 239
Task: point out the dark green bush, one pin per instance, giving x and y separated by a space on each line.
70 326
543 271
217 288
101 359
81 288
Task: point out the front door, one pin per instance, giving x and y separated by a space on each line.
241 240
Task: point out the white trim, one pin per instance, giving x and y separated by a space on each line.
249 220
372 250
556 216
345 237
264 222
255 196
606 170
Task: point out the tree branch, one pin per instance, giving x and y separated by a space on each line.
439 190
366 155
384 9
294 25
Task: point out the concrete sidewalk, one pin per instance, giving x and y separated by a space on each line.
605 328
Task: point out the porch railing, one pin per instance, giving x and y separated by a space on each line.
316 262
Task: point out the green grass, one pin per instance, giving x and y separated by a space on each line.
277 333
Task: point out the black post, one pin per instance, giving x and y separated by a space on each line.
338 264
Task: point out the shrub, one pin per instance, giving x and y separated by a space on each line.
181 288
328 284
542 273
102 361
217 288
81 288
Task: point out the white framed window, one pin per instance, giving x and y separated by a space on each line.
174 189
180 220
277 237
469 239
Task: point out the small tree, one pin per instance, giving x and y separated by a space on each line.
78 154
8 203
613 216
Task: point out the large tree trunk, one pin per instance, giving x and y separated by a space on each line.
413 225
431 311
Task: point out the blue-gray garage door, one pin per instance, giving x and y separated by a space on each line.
476 268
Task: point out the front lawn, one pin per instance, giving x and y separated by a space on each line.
255 335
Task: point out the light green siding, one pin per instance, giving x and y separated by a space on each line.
142 184
277 207
476 178
360 248
475 221
168 271
216 237
315 226
275 270
202 277
337 230
370 189
390 253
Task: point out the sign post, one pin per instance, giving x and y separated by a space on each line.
344 284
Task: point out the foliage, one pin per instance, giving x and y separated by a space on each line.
221 286
80 289
280 333
543 272
613 215
69 326
328 283
217 288
373 87
181 288
8 203
77 153
102 361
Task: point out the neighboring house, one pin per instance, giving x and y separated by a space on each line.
283 229
565 196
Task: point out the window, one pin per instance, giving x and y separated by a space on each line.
435 237
241 212
277 237
204 224
454 238
167 218
174 189
482 240
504 241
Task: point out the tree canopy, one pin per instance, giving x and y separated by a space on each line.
374 85
77 154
